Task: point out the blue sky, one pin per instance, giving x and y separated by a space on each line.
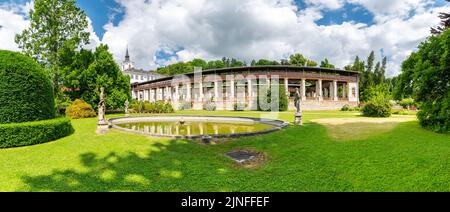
161 32
350 12
103 11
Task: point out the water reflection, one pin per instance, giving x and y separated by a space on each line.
194 128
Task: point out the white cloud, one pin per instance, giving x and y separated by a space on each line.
94 40
12 22
270 29
14 19
328 4
384 10
253 29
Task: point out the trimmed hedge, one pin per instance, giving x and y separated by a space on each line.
80 109
30 133
26 92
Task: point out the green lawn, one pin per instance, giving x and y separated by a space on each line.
401 157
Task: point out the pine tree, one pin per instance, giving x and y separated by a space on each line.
369 70
383 70
445 23
370 61
377 74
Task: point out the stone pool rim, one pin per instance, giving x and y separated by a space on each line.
277 125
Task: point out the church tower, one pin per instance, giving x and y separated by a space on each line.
127 64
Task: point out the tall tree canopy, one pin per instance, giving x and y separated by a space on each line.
326 64
426 76
299 60
85 72
188 67
265 62
54 24
370 75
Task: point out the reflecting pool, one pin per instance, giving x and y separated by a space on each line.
190 128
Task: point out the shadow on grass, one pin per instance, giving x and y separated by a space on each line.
120 172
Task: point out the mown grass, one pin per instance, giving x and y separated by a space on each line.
403 158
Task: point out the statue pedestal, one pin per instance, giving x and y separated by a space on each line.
102 127
298 119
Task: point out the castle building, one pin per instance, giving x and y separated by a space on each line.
137 75
320 88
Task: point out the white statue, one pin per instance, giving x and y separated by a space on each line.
102 127
101 106
298 106
127 113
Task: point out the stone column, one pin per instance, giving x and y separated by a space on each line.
349 91
200 85
188 93
164 93
357 91
320 93
160 93
250 93
169 93
303 89
286 86
344 89
335 90
177 94
216 90
150 95
232 92
153 92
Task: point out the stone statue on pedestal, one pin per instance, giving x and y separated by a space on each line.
298 106
102 123
127 113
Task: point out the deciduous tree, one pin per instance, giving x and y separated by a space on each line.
426 76
326 64
88 71
299 60
54 25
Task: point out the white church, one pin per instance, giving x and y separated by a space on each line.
137 75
